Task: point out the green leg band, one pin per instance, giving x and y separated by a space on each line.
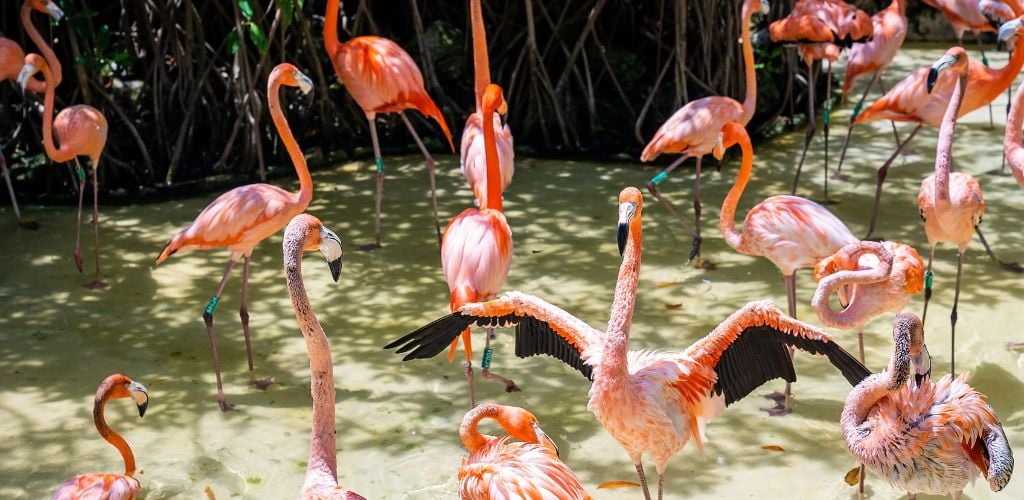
380 165
212 305
658 178
80 172
856 110
826 115
485 363
928 279
984 60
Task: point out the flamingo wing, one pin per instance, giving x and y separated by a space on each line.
541 328
693 129
504 469
749 348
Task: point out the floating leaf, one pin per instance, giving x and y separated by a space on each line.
853 476
666 284
209 493
772 447
674 306
618 484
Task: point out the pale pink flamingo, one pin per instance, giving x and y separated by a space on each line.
498 467
101 485
651 401
1013 142
12 58
790 231
306 233
243 217
476 252
692 131
872 278
920 436
473 157
382 78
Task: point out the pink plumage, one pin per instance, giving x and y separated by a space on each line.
889 29
472 161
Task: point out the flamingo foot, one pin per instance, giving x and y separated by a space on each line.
78 261
1011 266
370 247
262 383
706 265
839 177
510 385
30 224
224 405
95 284
1015 345
781 404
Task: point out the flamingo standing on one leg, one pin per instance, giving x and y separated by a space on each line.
497 467
473 158
651 401
790 231
307 233
12 58
476 252
382 78
109 486
920 436
243 217
693 130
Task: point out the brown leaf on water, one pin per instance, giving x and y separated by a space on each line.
853 476
772 447
209 493
666 284
618 484
674 306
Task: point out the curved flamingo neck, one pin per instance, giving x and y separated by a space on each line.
856 312
872 389
481 64
750 99
322 466
52 151
726 218
298 159
944 150
112 437
471 436
993 82
1013 138
331 26
44 48
614 363
493 200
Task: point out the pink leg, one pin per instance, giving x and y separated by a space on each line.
380 188
782 405
811 124
883 171
849 128
652 186
510 385
78 228
468 365
952 316
97 283
860 342
243 313
643 479
430 170
211 307
10 187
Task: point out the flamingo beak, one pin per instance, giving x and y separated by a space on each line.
544 440
140 396
922 365
944 63
765 7
26 72
1008 33
626 213
330 247
719 150
305 84
54 11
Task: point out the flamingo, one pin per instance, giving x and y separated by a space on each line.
922 436
500 468
476 252
693 130
382 78
307 233
473 158
822 28
872 278
910 101
12 58
241 218
790 231
651 401
1013 142
109 486
83 132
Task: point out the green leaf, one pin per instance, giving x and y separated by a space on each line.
258 37
233 42
287 8
103 39
246 8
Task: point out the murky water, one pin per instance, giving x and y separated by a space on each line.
398 423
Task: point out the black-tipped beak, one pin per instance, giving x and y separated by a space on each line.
933 76
143 406
1008 33
335 266
622 236
941 65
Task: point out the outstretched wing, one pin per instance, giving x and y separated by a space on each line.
749 348
541 328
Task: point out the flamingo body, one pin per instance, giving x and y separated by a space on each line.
82 130
693 129
98 487
1013 137
472 162
975 15
951 221
889 29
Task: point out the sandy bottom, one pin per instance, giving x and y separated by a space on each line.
398 422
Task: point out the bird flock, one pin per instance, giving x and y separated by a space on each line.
916 433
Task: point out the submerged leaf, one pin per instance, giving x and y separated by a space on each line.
618 484
772 447
853 476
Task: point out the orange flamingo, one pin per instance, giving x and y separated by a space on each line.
872 278
693 130
241 218
499 468
976 16
790 231
651 401
476 252
12 58
1013 142
109 486
822 28
82 131
382 78
920 436
306 233
473 158
910 101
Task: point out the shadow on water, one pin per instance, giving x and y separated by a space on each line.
398 422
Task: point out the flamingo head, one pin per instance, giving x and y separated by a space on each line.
751 7
123 387
955 58
1009 32
312 235
731 134
631 202
288 74
494 99
522 425
48 7
330 248
34 63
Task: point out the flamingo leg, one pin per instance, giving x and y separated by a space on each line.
860 483
695 248
243 314
860 343
510 385
211 307
952 315
10 187
1009 266
928 276
895 133
78 228
652 186
430 170
882 172
826 117
782 401
984 60
379 194
661 486
849 129
97 283
643 479
1009 101
809 134
468 365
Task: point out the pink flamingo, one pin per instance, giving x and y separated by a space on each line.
920 436
1012 137
790 231
976 16
473 158
476 252
872 279
651 401
109 486
382 78
306 233
12 58
497 467
693 130
243 217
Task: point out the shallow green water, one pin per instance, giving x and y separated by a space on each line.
397 423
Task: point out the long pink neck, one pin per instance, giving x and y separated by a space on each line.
112 437
750 100
727 216
468 432
614 364
493 200
481 64
57 155
1012 139
872 389
855 314
44 48
298 159
944 150
331 27
322 466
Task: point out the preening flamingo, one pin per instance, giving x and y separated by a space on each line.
109 486
473 158
476 252
1013 142
82 131
910 101
692 131
12 58
790 231
306 233
872 278
241 218
498 467
920 436
650 401
382 78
